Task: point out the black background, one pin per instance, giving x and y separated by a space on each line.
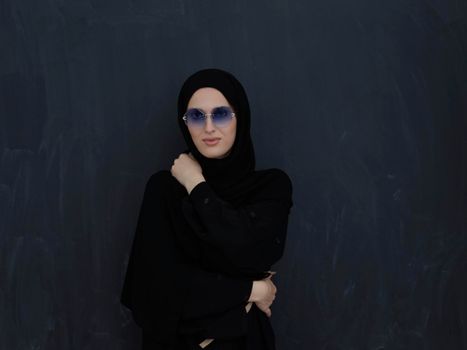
362 102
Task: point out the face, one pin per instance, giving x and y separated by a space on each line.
206 99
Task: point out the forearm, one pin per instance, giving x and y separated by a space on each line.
212 293
252 236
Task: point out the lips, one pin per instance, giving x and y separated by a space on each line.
213 139
211 142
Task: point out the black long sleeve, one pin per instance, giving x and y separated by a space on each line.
213 293
252 236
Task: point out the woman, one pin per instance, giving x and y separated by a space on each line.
209 230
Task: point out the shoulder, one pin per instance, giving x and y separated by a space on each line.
163 182
156 181
276 177
160 176
275 185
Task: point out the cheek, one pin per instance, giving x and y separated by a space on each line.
194 135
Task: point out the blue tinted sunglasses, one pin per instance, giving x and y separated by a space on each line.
220 116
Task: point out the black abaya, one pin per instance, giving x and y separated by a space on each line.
194 257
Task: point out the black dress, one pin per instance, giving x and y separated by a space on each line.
206 275
194 257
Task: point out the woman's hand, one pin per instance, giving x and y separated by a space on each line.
263 294
187 171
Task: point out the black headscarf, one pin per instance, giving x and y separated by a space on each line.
233 176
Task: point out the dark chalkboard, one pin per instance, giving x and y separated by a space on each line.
363 103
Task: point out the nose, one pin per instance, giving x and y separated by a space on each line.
208 124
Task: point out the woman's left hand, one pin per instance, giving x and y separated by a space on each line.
187 170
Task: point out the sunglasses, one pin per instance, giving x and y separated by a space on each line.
220 116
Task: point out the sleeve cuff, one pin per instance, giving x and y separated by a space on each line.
201 193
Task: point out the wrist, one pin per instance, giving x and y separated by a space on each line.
193 182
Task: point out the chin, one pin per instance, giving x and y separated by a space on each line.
214 153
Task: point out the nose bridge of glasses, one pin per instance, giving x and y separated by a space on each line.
208 121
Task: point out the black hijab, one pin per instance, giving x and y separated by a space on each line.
231 177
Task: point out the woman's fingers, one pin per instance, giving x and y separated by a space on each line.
268 295
272 287
265 308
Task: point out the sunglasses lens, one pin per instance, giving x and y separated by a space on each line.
194 117
222 116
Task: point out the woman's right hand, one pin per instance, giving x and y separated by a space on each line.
263 294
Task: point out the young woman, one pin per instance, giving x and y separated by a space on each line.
209 230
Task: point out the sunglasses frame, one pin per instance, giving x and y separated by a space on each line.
205 116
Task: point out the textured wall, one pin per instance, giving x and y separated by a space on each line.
362 102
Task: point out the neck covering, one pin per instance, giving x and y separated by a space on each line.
232 175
